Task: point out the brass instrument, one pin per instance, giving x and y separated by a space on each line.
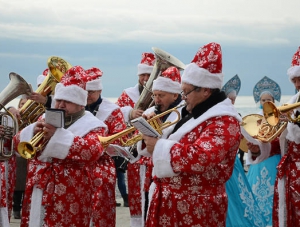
16 87
272 113
154 122
29 149
268 127
31 110
163 60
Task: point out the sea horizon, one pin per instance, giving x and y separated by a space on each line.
244 104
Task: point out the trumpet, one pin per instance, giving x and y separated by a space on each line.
154 122
29 149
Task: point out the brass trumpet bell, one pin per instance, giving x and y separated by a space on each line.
29 149
272 113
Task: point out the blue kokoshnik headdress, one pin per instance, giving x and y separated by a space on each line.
266 85
234 84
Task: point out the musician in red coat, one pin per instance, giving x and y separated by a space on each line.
192 165
104 210
127 101
60 185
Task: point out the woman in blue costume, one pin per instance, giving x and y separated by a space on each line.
243 210
263 157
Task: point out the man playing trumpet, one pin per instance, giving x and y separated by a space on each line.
60 183
192 165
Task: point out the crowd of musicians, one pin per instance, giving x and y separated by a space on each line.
193 174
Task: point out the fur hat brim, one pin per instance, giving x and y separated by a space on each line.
201 77
166 84
71 93
144 69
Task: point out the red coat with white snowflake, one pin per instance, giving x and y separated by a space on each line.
191 168
59 183
7 181
104 213
286 207
127 101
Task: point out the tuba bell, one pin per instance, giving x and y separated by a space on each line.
16 87
31 110
163 60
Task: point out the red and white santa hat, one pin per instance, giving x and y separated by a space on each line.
41 78
205 70
169 81
294 70
147 63
94 82
72 86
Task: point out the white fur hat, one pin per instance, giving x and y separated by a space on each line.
147 63
94 82
206 68
169 81
40 79
294 70
72 86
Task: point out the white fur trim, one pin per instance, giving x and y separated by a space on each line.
162 159
136 221
142 180
60 143
27 133
293 133
126 112
40 79
71 93
166 84
144 68
133 93
293 72
142 152
281 202
35 208
224 108
94 85
4 217
105 109
201 77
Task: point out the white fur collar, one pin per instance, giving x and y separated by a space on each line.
85 124
133 93
105 109
220 109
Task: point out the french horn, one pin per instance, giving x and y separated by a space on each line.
269 126
17 86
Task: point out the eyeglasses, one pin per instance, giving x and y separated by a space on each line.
185 95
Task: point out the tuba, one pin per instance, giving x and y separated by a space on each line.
31 110
16 87
163 60
154 122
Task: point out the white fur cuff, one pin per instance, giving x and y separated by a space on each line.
162 159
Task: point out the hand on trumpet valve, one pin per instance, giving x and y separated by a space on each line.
150 143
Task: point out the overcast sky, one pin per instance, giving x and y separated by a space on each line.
258 37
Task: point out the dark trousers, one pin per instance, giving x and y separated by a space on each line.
17 200
121 183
